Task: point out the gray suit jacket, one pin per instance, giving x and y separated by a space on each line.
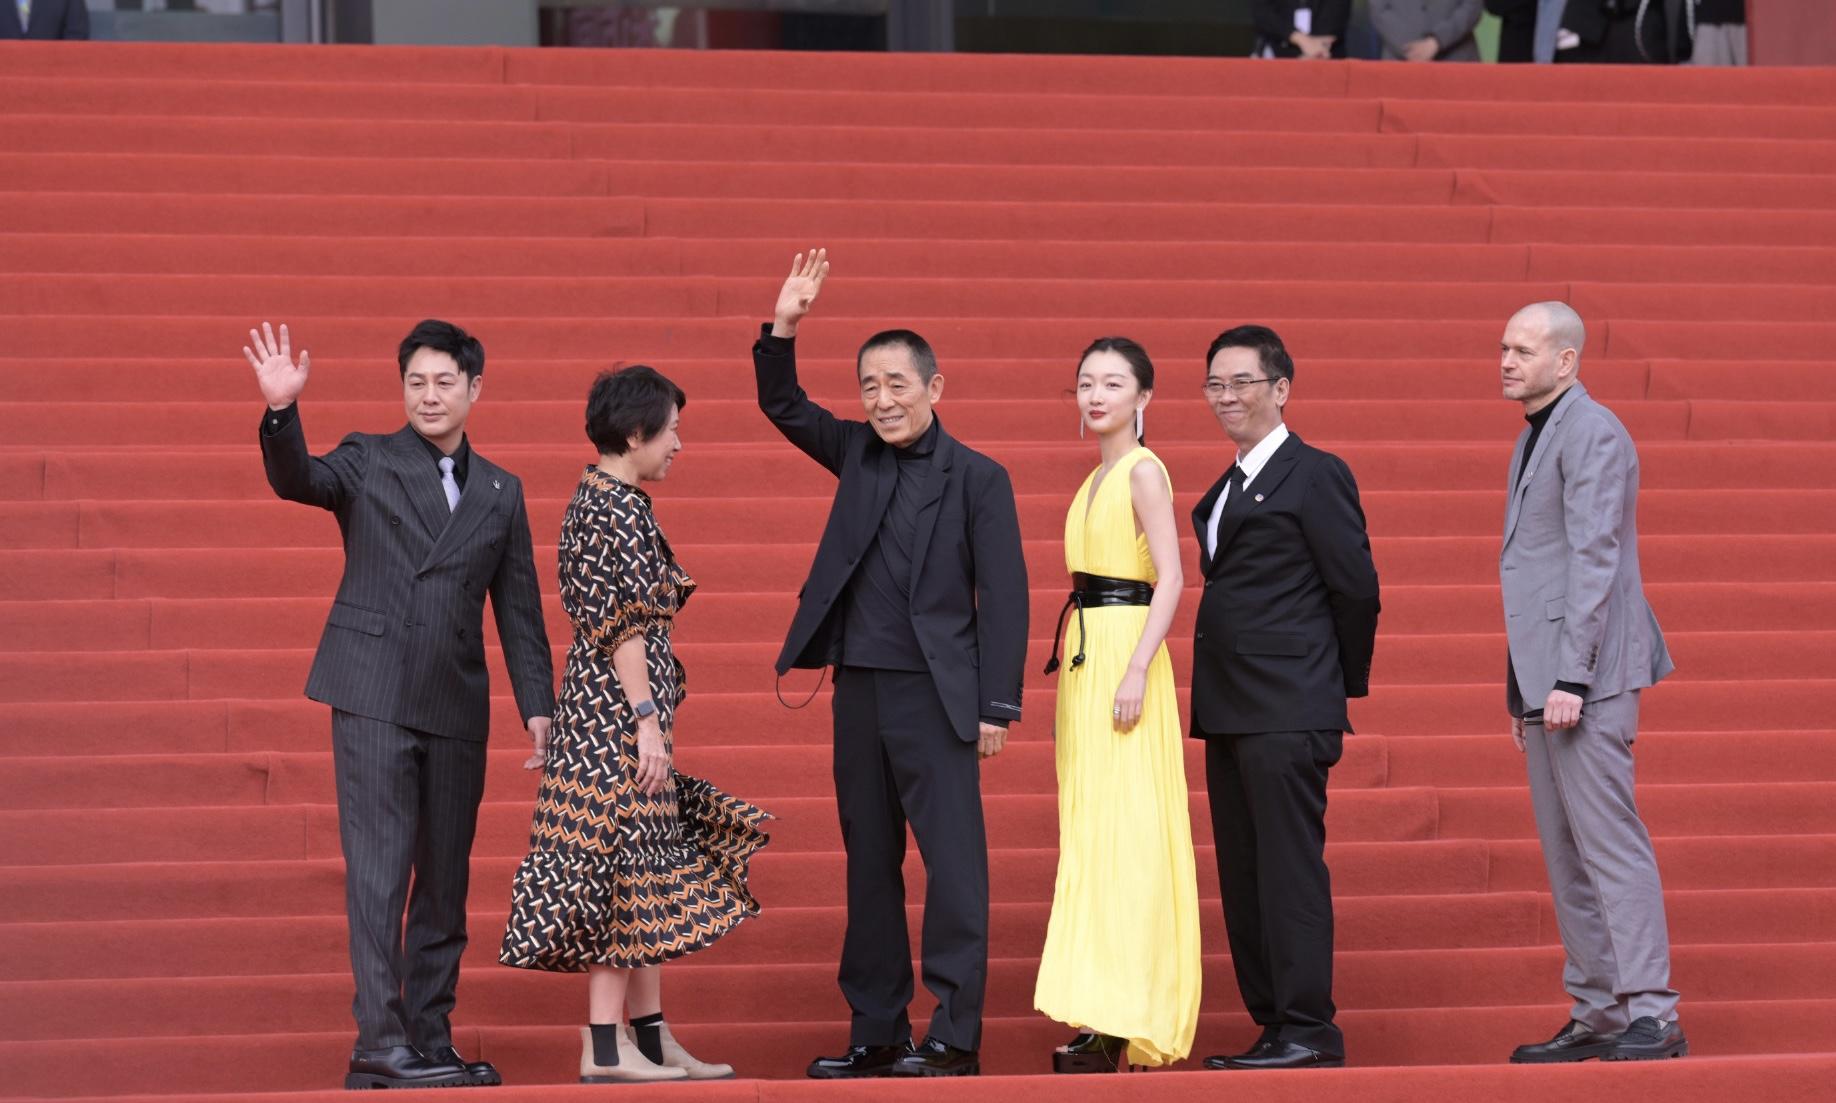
1451 22
1574 601
404 641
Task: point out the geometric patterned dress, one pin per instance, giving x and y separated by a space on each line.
614 876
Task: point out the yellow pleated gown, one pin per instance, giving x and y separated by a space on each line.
1122 950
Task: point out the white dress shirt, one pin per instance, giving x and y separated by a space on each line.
1252 465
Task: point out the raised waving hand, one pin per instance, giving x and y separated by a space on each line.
799 292
280 378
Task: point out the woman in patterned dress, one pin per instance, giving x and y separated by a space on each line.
630 863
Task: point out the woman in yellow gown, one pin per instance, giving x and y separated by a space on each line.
1122 960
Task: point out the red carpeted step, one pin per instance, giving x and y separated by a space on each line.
163 134
173 474
1222 145
640 297
1472 515
989 421
830 381
1646 189
1709 609
1626 264
1460 1049
1551 117
65 573
190 890
349 99
883 258
813 935
291 832
1629 153
1371 980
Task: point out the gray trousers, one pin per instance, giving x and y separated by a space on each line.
1609 904
407 808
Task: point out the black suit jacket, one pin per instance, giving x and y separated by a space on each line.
50 19
1288 617
1274 20
404 641
969 598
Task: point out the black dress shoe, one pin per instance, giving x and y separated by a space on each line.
402 1067
1223 1060
1091 1052
934 1058
1574 1042
858 1062
1649 1039
481 1072
1284 1055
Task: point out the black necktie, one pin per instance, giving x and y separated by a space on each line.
1238 501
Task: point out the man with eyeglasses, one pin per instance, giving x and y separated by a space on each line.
1286 626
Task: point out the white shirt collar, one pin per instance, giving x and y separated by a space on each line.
1258 457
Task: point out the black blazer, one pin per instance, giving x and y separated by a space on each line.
50 19
969 599
1274 20
405 638
1288 617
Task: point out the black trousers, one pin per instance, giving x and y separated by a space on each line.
407 807
1268 820
898 761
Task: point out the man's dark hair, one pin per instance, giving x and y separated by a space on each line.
1276 363
922 357
633 401
443 337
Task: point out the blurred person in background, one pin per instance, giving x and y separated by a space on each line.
1311 29
44 19
1427 30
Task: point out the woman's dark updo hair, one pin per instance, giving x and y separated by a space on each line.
629 402
1137 358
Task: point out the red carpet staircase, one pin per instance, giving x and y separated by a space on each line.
170 902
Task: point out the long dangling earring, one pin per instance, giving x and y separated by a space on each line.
1140 424
1080 426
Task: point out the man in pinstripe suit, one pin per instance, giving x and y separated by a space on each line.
429 528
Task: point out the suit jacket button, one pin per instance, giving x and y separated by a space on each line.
460 633
1199 635
394 520
1208 584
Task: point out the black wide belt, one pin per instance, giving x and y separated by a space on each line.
1094 590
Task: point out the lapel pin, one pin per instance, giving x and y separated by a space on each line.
1259 497
497 484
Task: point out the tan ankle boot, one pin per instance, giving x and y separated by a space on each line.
633 1067
675 1057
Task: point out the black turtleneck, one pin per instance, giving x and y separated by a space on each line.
1537 421
877 626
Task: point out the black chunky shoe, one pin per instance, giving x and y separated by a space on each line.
1574 1042
1091 1052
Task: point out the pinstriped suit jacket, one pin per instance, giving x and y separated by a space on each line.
404 642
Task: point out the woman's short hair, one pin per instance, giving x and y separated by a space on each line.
633 401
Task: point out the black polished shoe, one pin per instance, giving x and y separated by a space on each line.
859 1062
1091 1052
1574 1042
1223 1060
482 1073
934 1058
402 1067
1278 1054
1649 1039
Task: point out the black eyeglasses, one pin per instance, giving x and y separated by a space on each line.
1216 387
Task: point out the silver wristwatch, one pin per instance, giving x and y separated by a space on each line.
645 709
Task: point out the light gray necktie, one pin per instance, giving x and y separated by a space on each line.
448 483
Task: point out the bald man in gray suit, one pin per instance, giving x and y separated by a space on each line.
1583 643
